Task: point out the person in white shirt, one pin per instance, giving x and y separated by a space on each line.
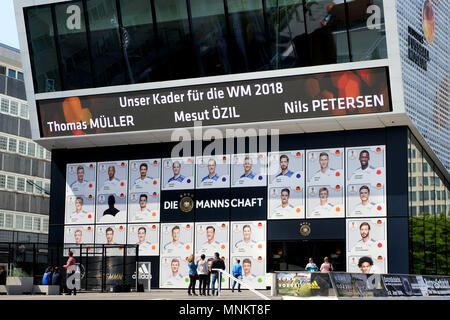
211 245
79 186
247 274
284 207
79 214
144 245
366 242
365 171
112 181
78 234
143 212
366 207
143 179
247 242
175 244
175 270
325 172
324 208
109 236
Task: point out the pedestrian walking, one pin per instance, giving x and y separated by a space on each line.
70 269
237 273
203 274
217 263
208 280
311 266
192 275
326 265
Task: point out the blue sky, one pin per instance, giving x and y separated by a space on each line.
8 29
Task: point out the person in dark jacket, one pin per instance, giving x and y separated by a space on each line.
217 263
56 279
47 278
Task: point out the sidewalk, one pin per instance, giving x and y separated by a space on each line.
156 294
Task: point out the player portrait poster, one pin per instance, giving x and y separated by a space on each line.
286 183
112 193
366 245
178 173
111 235
366 181
75 235
248 244
80 193
144 190
144 207
249 170
213 171
146 236
325 183
80 209
175 247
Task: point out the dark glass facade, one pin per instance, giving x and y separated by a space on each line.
97 43
429 214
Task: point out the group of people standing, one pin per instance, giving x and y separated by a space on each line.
204 271
325 267
53 276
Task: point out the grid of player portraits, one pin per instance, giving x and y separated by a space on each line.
118 202
244 241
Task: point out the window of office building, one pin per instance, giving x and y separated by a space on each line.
14 108
9 220
11 73
20 184
28 225
2 181
24 111
367 34
19 221
11 182
72 37
115 42
105 40
22 147
428 221
175 40
140 46
36 224
31 149
20 76
326 38
3 143
42 46
12 145
4 106
29 185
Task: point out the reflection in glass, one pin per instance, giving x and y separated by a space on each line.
139 40
367 31
70 23
210 34
248 37
176 56
41 41
105 37
285 22
327 33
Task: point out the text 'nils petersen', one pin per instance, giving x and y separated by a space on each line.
232 309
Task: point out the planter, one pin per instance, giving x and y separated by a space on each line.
19 285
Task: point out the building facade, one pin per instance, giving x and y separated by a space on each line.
267 131
24 164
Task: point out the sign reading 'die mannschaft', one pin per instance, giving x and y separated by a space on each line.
295 97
